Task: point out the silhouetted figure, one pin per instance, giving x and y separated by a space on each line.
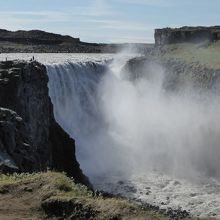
32 59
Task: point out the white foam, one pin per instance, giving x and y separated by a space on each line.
201 197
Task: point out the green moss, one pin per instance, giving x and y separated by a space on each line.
16 177
55 186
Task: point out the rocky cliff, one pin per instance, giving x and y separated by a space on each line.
179 75
186 34
30 138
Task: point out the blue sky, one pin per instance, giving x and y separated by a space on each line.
107 20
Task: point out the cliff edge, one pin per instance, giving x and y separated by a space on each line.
186 34
30 138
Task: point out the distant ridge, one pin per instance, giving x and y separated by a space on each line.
37 41
41 41
35 37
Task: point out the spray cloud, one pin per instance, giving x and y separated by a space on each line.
125 125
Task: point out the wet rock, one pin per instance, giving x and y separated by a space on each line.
193 194
120 182
148 193
175 183
172 214
130 189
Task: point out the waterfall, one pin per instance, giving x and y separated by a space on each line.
73 91
127 126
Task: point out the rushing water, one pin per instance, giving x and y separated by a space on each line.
133 138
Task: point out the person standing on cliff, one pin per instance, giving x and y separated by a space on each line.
32 59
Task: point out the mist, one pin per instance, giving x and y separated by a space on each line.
124 125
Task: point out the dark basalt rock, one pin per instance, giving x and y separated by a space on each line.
68 209
179 76
16 154
30 138
186 34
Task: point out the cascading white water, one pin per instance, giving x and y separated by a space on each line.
73 90
126 128
120 125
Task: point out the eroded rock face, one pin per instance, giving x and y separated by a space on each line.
186 34
23 89
176 75
16 154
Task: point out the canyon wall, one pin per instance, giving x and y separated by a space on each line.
186 34
30 138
